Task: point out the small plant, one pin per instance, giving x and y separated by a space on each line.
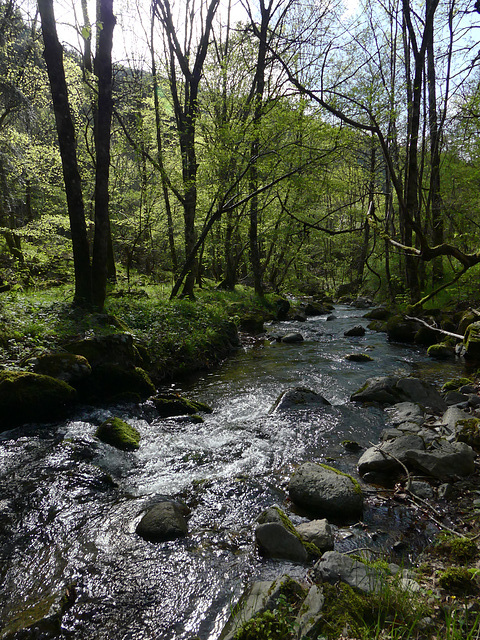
461 550
458 580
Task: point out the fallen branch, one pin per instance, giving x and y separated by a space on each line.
429 326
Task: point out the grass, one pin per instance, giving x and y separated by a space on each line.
179 336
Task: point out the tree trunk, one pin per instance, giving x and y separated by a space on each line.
103 71
53 54
435 198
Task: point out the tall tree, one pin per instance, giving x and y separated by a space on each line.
189 59
90 280
103 71
53 53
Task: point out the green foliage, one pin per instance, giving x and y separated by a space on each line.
461 550
458 580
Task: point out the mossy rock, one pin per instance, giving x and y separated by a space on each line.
471 341
468 431
28 397
379 313
169 405
68 367
456 383
455 548
118 434
114 381
359 357
116 349
42 619
378 325
458 580
466 320
401 330
426 336
252 323
440 351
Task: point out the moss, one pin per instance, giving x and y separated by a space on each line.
277 623
458 580
119 434
456 549
343 609
468 431
312 549
377 325
28 396
170 404
456 383
112 380
351 445
359 357
440 351
356 485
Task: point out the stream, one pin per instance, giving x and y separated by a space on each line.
69 504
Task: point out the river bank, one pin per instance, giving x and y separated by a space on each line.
79 528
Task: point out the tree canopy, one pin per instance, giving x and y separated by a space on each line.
291 145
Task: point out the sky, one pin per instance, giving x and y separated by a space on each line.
132 29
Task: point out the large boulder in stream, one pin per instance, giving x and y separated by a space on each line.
325 491
117 348
438 459
115 372
276 537
31 397
169 405
389 390
68 367
298 398
119 434
164 521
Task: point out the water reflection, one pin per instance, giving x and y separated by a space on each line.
70 504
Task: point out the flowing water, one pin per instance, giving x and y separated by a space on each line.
69 504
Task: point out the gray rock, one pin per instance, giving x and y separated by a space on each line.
421 489
405 412
453 417
390 434
448 460
298 398
356 331
309 615
272 514
292 338
318 532
409 427
455 397
474 401
275 541
422 393
164 521
336 567
325 491
445 491
384 458
407 584
468 389
257 598
378 389
392 390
